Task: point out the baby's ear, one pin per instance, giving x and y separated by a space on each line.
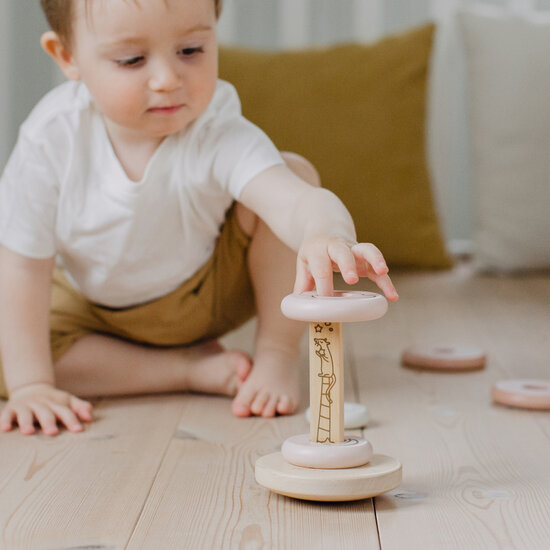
53 46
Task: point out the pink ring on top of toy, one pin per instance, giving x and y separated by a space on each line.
344 306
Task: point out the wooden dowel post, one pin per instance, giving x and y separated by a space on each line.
326 382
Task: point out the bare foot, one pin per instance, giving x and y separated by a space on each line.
210 368
272 387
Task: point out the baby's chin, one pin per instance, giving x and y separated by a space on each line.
167 128
147 132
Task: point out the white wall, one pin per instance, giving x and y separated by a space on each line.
27 71
5 79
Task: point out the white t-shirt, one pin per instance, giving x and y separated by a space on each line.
123 242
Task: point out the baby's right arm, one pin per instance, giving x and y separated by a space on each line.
25 287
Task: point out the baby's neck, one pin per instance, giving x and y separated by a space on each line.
135 157
133 153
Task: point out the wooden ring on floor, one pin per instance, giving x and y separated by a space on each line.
442 357
351 453
344 306
523 393
380 475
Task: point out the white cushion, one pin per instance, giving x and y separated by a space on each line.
508 68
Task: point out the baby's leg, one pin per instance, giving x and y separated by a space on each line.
273 385
101 365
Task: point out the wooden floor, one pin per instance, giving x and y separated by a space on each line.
178 471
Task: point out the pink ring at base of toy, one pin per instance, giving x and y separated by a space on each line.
351 453
523 393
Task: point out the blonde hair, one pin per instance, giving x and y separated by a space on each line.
59 14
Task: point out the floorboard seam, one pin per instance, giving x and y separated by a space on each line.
161 462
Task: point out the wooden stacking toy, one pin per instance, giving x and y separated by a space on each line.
327 464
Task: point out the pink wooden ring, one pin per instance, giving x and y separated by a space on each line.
351 453
444 357
525 393
344 306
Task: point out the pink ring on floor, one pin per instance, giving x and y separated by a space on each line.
344 306
444 357
524 393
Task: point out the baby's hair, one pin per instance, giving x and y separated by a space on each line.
59 14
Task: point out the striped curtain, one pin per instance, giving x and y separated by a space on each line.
280 24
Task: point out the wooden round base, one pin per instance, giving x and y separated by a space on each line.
380 475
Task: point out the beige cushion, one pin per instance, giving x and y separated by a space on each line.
508 85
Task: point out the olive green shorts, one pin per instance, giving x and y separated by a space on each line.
215 300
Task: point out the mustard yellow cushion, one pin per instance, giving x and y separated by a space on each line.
358 113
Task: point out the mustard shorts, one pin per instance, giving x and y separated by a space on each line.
215 300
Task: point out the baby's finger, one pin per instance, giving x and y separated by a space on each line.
83 409
6 419
385 284
321 271
369 252
25 420
304 281
68 418
344 259
46 419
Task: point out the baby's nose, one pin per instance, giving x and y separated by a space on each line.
165 77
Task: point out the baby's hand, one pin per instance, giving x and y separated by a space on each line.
46 405
319 257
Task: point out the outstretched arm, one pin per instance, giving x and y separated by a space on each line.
316 224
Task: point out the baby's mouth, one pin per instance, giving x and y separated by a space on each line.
166 110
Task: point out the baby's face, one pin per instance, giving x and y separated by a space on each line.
151 66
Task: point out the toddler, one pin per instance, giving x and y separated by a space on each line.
142 217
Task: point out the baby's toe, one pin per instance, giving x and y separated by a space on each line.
270 408
241 404
285 405
260 401
240 409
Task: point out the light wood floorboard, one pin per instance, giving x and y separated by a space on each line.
84 490
177 471
476 475
206 497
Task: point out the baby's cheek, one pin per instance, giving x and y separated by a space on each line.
203 84
123 106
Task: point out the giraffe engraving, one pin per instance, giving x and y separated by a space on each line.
328 380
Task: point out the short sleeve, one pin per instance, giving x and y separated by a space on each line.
29 191
236 148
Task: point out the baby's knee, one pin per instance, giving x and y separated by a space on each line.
302 168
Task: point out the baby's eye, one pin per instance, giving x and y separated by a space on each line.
130 61
188 52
